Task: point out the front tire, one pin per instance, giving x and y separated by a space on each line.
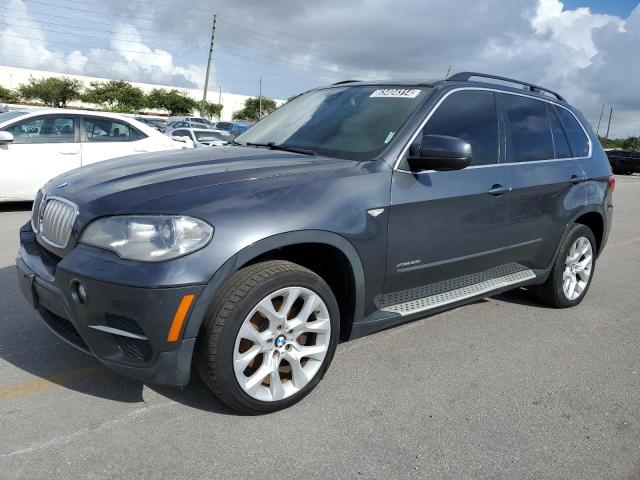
269 337
572 270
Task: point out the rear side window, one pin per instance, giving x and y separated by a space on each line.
560 142
107 130
577 138
528 127
470 115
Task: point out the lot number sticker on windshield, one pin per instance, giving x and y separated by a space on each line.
395 93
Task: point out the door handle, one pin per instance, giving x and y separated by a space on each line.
498 190
69 153
575 179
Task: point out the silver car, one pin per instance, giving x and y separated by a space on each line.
202 137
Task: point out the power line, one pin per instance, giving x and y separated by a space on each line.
86 20
242 22
252 68
182 45
107 66
305 42
287 64
164 54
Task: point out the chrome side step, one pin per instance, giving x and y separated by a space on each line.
491 282
117 331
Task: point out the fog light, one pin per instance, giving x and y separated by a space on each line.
78 292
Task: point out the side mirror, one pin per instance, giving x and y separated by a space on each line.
440 153
6 137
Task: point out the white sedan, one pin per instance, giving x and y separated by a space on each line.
41 144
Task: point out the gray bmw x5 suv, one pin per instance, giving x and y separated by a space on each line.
352 208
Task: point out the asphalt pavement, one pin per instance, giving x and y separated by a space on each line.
501 388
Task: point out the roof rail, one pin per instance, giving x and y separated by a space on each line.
465 76
344 81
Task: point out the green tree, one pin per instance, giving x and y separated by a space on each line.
251 110
175 102
8 96
52 91
212 110
118 95
631 143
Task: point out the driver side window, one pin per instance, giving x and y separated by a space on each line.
472 116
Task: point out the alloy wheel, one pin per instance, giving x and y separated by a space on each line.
282 344
578 266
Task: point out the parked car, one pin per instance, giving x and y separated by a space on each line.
40 144
185 124
202 137
191 120
235 128
158 123
624 162
351 209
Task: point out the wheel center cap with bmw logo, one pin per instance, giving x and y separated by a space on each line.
280 341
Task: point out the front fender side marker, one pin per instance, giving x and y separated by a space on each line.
178 318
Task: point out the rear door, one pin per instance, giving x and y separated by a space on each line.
43 147
104 138
444 225
547 180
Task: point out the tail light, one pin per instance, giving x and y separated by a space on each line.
612 183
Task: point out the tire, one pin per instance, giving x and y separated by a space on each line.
553 292
240 322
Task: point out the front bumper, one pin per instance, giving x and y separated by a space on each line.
124 327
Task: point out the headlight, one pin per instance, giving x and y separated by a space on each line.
148 238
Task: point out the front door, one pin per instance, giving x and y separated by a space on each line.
444 225
42 148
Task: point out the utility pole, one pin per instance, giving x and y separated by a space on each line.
599 120
260 101
448 72
206 78
609 126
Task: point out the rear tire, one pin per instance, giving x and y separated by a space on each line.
268 337
572 269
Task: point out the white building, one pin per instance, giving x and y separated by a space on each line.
12 77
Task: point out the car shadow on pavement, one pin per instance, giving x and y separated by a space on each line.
15 206
521 296
27 344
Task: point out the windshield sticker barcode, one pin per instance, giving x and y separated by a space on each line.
395 93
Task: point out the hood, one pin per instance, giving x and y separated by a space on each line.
111 186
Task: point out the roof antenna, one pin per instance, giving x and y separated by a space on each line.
448 72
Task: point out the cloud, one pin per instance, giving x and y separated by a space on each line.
590 58
25 42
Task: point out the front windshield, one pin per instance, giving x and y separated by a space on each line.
352 122
213 136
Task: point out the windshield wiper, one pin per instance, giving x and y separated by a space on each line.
284 148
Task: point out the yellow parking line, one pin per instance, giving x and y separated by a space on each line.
41 384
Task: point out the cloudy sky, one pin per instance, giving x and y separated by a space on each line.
585 49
